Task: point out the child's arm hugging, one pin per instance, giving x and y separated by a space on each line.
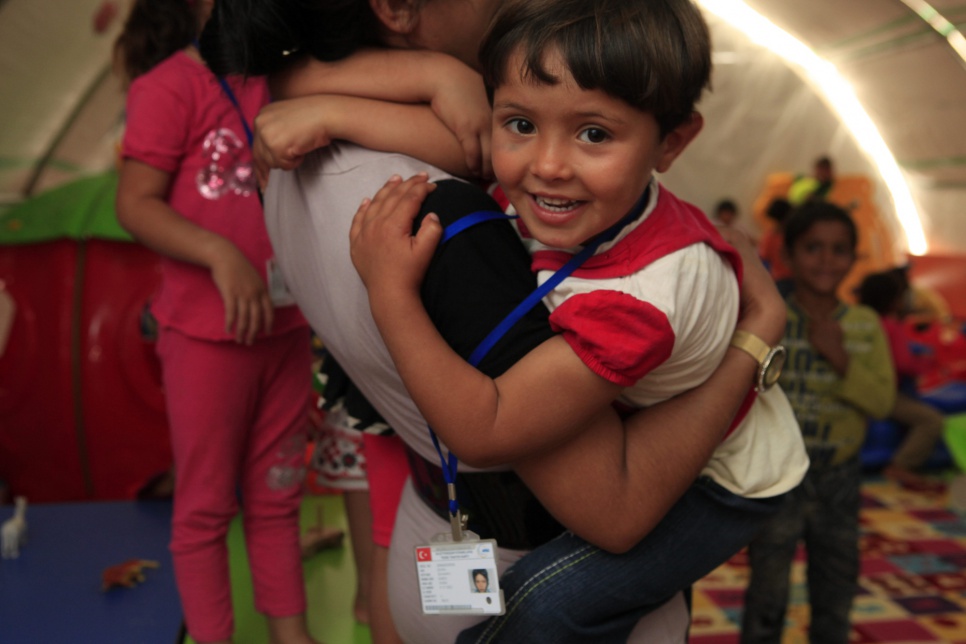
549 414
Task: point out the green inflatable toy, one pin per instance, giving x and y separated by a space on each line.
955 435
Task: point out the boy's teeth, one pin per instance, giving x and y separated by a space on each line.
555 204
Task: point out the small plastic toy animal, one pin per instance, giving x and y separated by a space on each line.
13 533
127 575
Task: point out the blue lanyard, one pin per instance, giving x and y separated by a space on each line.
450 462
226 88
234 101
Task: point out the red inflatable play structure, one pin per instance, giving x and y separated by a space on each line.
81 405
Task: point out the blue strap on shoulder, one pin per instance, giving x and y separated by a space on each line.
472 219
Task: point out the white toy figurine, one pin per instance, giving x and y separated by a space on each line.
13 533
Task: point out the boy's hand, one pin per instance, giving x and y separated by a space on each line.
826 336
248 306
285 131
387 256
461 104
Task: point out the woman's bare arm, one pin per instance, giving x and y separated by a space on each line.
285 131
452 91
612 483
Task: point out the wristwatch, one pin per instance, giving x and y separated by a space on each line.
770 359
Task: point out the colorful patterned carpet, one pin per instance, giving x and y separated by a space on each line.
912 586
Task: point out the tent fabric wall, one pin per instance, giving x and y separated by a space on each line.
60 105
62 108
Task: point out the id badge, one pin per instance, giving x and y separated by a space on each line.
277 290
459 577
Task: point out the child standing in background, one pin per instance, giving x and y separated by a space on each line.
234 351
838 374
886 293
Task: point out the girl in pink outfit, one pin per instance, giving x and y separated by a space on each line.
234 350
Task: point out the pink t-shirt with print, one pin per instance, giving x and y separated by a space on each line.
181 121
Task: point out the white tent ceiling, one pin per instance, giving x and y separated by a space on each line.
61 108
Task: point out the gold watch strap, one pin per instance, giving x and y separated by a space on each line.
751 344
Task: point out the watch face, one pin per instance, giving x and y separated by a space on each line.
771 368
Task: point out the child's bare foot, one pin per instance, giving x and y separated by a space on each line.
360 608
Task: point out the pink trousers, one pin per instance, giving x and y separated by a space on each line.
238 419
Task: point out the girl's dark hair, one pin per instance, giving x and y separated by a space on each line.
655 55
258 37
154 30
881 291
801 219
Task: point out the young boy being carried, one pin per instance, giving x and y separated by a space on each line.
590 98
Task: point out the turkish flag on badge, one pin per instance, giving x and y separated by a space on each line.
424 554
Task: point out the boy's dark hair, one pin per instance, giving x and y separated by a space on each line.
655 55
801 219
258 37
880 291
726 204
154 30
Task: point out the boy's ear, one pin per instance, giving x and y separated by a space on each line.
677 140
399 17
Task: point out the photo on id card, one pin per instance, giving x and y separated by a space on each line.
459 578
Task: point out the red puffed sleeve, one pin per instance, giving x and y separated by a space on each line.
618 336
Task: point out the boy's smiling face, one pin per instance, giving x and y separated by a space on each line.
574 161
821 258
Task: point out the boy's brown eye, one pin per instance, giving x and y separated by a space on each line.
594 135
520 126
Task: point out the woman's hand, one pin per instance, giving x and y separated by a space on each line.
460 102
285 131
248 306
387 256
762 307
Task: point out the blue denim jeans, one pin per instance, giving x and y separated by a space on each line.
570 591
824 511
